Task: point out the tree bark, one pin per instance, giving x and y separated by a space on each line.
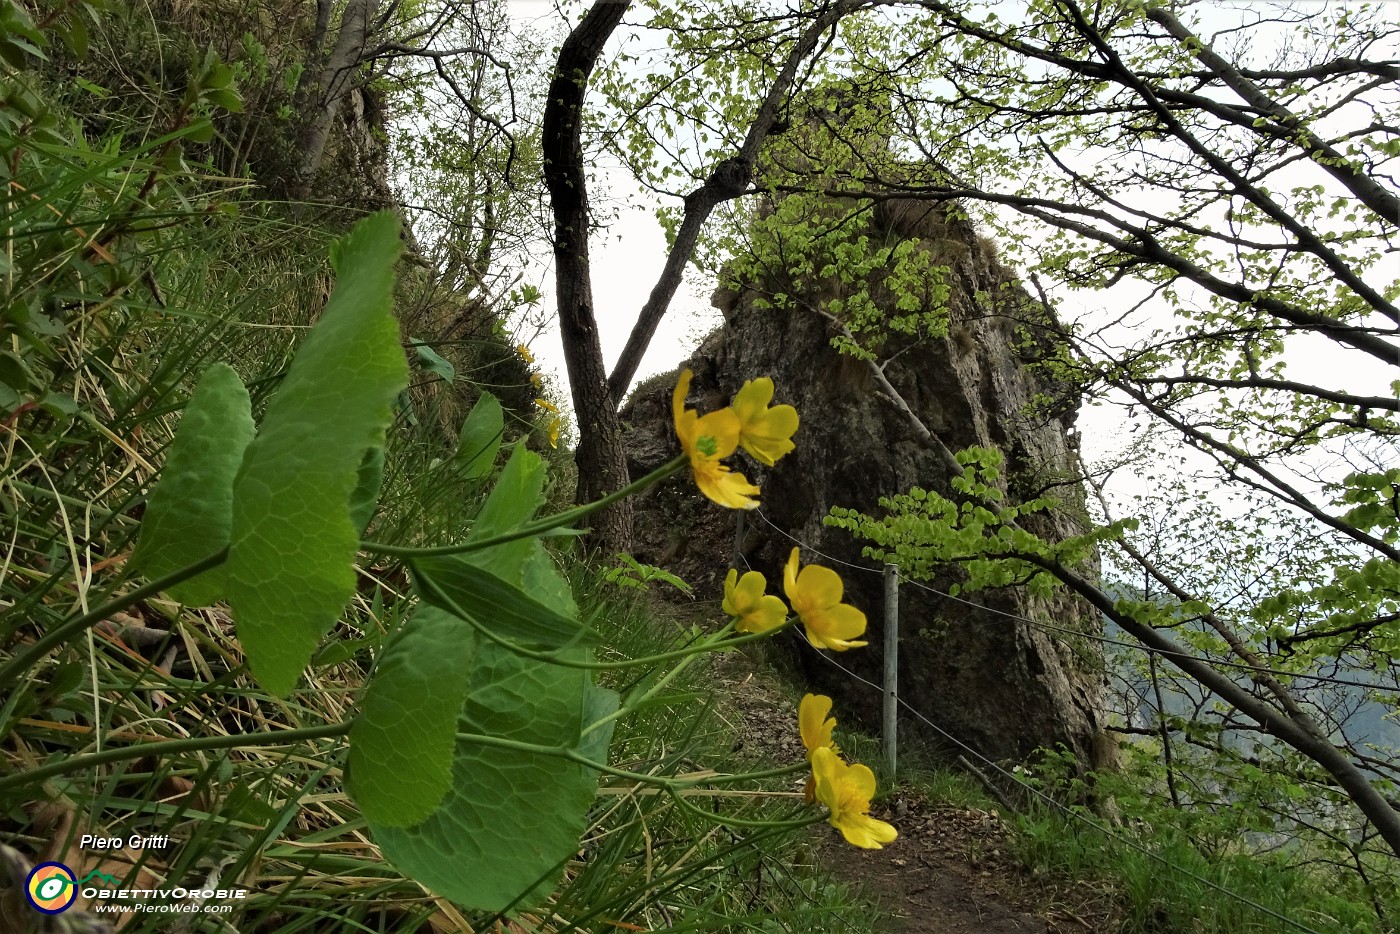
325 95
730 179
602 463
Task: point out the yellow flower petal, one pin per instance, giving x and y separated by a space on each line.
745 599
763 432
679 393
846 790
815 595
706 441
524 353
554 427
814 725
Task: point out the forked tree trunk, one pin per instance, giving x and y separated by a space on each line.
602 465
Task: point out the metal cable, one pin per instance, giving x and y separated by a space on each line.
1040 624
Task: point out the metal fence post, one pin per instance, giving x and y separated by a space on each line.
889 724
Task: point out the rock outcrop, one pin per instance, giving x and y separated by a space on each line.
979 670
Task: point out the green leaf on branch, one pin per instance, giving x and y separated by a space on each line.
433 362
501 836
291 558
402 743
480 438
365 496
512 502
497 605
189 514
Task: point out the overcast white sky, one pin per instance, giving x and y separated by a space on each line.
626 261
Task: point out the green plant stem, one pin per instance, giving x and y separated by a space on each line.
793 769
539 526
672 785
67 630
173 746
739 821
633 703
555 659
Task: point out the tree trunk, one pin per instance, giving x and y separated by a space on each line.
324 96
602 465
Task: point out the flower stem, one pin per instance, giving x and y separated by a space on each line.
674 786
553 658
739 821
635 702
539 526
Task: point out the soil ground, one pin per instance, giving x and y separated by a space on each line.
950 871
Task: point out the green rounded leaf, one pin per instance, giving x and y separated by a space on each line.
402 743
502 835
291 558
189 514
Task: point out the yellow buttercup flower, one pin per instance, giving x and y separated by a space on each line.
745 599
815 595
847 790
524 353
707 441
554 427
763 432
547 406
814 724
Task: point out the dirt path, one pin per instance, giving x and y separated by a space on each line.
948 873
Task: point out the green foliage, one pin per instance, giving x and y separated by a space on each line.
923 531
494 605
401 747
480 438
190 513
629 573
74 209
433 362
1175 870
500 838
291 559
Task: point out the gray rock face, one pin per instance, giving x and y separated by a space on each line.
982 674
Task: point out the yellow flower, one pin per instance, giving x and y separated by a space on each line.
554 427
536 380
814 724
763 432
707 441
524 353
815 595
547 406
744 598
847 790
